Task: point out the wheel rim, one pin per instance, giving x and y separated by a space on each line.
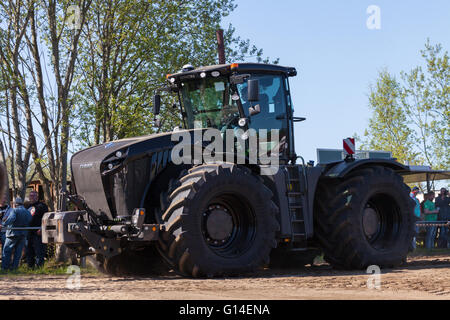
381 221
228 225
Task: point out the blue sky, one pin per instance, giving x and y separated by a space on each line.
337 57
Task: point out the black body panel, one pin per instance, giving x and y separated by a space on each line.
277 184
225 69
116 192
313 175
87 178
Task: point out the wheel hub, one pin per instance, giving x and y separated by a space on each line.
371 222
219 224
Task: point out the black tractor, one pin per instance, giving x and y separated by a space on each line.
138 205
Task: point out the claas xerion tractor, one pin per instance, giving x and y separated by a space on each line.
138 206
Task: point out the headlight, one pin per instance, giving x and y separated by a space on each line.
242 122
114 161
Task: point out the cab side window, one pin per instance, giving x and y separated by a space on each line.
272 101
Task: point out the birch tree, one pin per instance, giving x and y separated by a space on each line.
128 48
411 116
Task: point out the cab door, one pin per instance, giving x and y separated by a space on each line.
272 102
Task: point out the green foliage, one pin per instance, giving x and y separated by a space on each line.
128 48
49 268
388 127
426 102
411 117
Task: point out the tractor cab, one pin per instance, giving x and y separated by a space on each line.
245 96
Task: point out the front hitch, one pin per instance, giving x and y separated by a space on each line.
108 240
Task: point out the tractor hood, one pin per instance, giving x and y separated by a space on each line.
114 177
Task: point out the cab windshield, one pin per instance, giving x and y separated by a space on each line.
208 103
211 103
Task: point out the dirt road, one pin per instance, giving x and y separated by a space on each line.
420 278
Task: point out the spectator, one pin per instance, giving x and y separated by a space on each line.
431 214
15 239
413 195
35 248
5 210
443 204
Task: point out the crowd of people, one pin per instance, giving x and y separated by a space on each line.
14 239
433 209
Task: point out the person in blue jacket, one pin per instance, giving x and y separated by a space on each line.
15 239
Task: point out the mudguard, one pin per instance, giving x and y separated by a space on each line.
340 169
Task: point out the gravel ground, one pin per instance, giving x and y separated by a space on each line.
426 277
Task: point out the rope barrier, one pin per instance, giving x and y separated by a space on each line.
433 224
21 228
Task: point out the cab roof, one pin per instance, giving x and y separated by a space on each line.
225 69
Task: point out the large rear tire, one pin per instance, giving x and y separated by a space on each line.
364 219
220 221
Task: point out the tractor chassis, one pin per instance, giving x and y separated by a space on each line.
108 241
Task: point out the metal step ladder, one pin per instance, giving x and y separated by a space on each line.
296 193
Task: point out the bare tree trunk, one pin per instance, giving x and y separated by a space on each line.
18 25
3 177
8 125
64 84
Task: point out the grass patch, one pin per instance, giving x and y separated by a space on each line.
50 267
319 259
429 252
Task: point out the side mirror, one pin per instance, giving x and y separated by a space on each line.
253 90
156 104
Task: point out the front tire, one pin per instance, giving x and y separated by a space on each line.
365 219
220 221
